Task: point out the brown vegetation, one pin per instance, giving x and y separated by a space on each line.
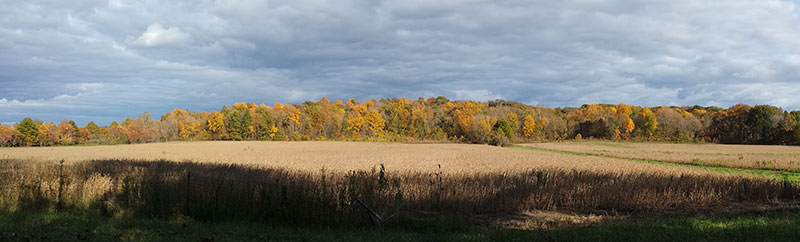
230 191
346 156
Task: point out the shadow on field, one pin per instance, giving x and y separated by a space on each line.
225 192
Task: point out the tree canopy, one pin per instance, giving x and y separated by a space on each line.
433 119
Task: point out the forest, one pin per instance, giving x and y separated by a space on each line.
437 119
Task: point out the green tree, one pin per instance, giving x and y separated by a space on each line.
505 128
234 125
92 128
30 130
264 122
762 121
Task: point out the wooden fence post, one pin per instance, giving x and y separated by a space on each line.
188 191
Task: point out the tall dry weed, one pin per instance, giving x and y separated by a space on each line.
244 192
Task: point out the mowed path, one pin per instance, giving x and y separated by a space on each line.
768 157
346 156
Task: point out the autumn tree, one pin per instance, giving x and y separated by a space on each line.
118 133
624 109
375 122
333 116
10 136
216 125
47 134
493 122
398 114
148 130
730 126
313 119
543 123
421 119
646 122
66 133
627 127
528 126
513 120
82 136
463 113
355 120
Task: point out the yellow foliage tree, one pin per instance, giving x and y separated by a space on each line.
464 114
355 119
542 123
294 116
273 132
182 131
216 123
628 126
66 133
699 112
485 125
44 135
376 122
513 118
528 125
624 109
420 114
648 121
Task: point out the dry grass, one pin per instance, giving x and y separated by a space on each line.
320 182
737 156
346 156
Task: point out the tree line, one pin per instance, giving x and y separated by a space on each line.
496 122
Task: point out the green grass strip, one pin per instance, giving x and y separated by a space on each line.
781 175
17 226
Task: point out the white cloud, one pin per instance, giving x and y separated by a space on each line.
477 95
157 35
552 53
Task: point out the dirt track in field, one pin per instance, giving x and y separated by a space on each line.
736 156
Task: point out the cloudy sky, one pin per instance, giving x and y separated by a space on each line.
106 60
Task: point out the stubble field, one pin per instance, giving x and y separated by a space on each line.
347 156
768 157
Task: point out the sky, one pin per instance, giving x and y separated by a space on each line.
105 60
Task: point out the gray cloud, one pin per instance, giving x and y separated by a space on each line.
106 60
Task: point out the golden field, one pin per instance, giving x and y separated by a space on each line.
737 156
324 182
345 156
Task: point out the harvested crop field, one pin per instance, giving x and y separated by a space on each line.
346 156
737 156
284 182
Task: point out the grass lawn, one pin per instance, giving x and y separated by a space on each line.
772 226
